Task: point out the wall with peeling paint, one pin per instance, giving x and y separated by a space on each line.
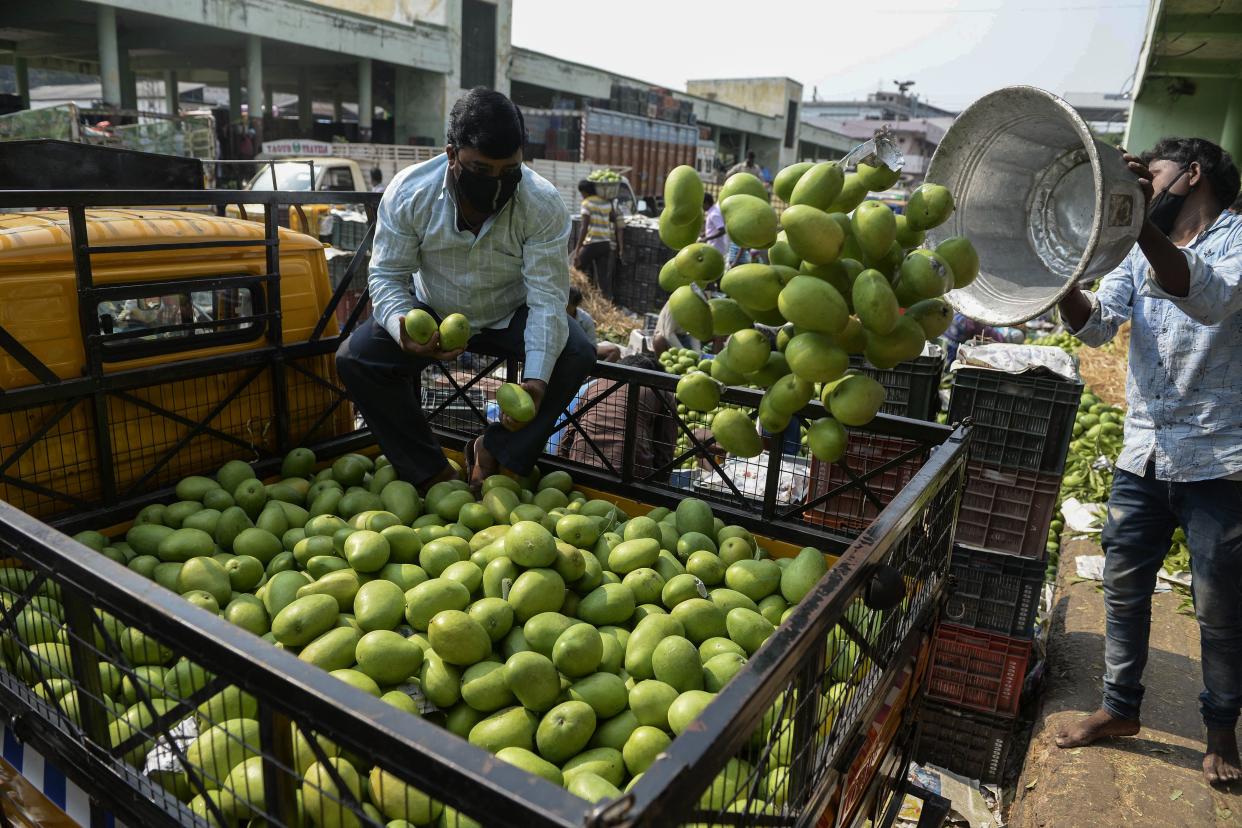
395 11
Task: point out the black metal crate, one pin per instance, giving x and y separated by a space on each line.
912 389
994 591
1022 421
971 744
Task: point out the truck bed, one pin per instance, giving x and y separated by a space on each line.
844 757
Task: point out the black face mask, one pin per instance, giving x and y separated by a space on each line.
486 193
1166 206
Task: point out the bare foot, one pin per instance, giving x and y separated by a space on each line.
485 465
1099 725
1221 765
448 473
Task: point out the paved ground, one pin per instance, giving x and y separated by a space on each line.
1153 779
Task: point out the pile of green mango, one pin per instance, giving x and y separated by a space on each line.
552 629
1063 339
680 360
846 276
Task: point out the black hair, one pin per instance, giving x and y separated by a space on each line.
708 201
587 188
645 361
1237 205
377 175
1215 164
575 295
487 121
750 155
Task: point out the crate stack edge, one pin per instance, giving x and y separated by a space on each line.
984 641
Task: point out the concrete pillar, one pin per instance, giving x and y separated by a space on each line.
109 55
129 82
366 105
269 101
338 106
1231 132
172 93
306 103
23 81
254 82
504 45
419 105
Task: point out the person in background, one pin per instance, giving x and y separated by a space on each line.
377 180
579 314
477 232
599 233
963 329
713 225
1181 457
668 334
655 432
747 166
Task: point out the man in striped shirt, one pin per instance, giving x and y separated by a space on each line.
601 231
476 232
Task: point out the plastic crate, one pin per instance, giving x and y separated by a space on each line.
994 592
978 670
970 744
1022 421
637 287
348 235
852 510
911 389
1007 511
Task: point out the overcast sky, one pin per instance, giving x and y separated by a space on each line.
955 50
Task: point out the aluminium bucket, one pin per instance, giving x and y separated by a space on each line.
1045 204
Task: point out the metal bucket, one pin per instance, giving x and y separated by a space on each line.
1044 203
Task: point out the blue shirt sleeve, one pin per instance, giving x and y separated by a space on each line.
1111 304
394 259
1215 288
545 267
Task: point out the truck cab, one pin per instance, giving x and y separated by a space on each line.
310 174
307 175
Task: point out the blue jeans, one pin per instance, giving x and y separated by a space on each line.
1142 515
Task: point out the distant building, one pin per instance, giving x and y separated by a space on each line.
879 106
917 125
1105 112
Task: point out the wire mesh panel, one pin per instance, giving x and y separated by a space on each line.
786 727
110 431
179 717
166 431
48 457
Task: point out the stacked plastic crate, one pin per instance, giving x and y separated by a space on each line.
1023 424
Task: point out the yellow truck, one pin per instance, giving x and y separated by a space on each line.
148 354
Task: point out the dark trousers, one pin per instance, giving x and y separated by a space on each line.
597 262
1142 514
384 383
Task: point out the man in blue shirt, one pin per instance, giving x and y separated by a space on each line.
1181 462
473 231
